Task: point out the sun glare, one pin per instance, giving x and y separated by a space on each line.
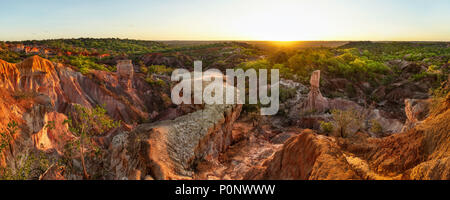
296 22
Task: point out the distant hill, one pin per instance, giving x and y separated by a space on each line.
112 45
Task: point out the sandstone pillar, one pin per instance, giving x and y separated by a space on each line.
316 102
125 71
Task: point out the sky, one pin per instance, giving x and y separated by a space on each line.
280 20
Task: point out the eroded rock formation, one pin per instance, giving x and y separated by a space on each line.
311 110
39 95
416 111
316 102
171 149
306 157
420 153
125 71
125 97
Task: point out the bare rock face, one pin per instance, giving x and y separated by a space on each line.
389 125
33 75
125 68
39 95
125 95
421 153
125 71
309 111
306 157
171 149
54 135
416 111
316 102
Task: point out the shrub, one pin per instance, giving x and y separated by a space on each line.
438 96
327 127
343 119
89 123
376 127
7 136
159 69
27 166
155 82
419 76
85 63
287 93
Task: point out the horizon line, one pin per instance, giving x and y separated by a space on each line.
223 40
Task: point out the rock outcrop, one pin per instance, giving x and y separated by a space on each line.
316 102
171 149
306 157
416 111
126 97
39 96
125 71
421 153
311 110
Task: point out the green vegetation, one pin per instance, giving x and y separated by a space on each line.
159 69
343 119
438 97
10 56
334 62
155 82
7 136
27 166
433 52
88 123
102 54
287 93
327 127
84 64
110 45
376 127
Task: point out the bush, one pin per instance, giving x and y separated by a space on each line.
327 127
419 76
144 69
155 82
344 118
88 124
287 93
84 64
438 96
159 69
7 135
376 127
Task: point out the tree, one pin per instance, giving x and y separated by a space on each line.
343 119
7 136
89 122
